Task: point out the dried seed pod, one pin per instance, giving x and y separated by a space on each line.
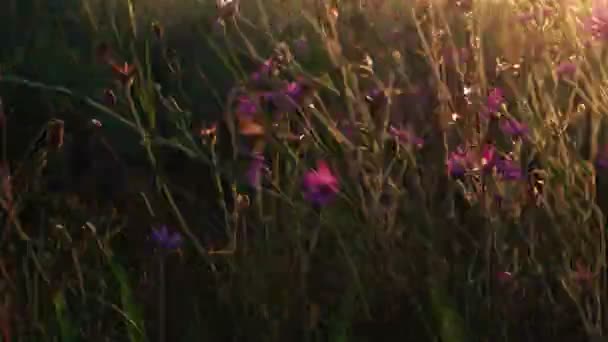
158 30
55 134
110 97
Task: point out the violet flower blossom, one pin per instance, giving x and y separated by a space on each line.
514 128
166 240
509 170
320 185
494 103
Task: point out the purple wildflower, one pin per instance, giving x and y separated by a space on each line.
488 157
293 90
246 108
597 23
320 185
288 98
509 169
264 70
514 128
494 102
457 163
166 240
565 68
255 171
495 99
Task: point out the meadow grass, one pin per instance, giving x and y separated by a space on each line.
271 170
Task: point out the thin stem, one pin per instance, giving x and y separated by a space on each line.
162 300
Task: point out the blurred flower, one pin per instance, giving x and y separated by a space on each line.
264 71
334 12
227 8
565 68
465 5
246 108
289 98
208 131
494 102
582 273
504 276
525 17
458 163
320 185
601 161
255 170
293 90
406 136
166 240
514 128
508 169
488 157
495 99
243 201
597 23
125 72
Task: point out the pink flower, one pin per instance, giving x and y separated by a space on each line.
494 103
458 163
504 276
488 157
246 108
565 68
495 99
597 23
320 185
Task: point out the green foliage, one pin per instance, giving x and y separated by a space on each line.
426 235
